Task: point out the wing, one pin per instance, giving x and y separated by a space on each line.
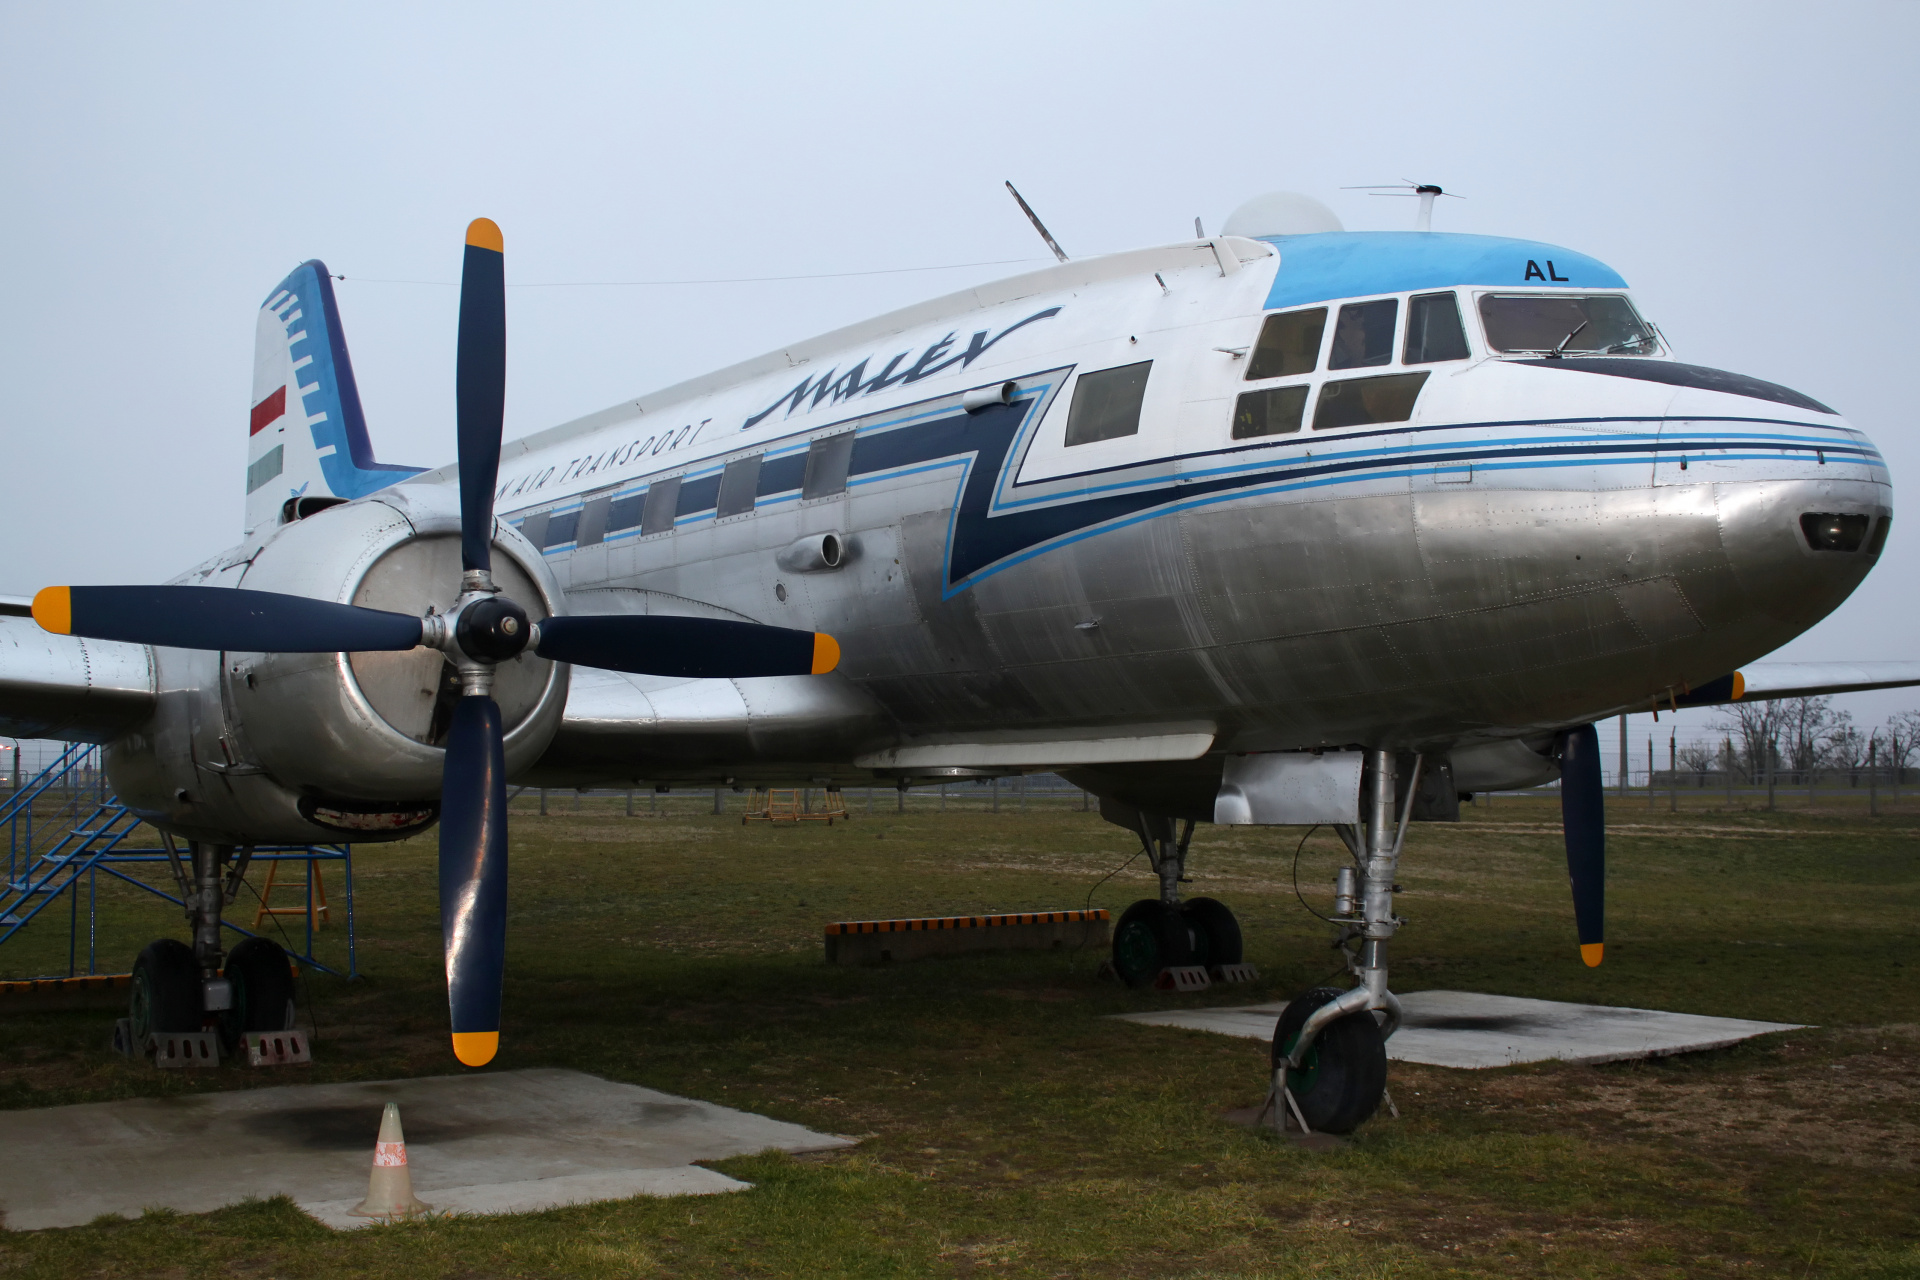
54 686
1764 681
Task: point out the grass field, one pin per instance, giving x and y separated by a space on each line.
1010 1129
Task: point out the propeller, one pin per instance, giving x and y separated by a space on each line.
1583 816
482 629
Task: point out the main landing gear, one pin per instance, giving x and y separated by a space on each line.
1156 934
1330 1047
179 989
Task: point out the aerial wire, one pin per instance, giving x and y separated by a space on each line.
638 284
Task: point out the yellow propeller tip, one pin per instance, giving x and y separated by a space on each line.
53 610
1592 953
826 653
475 1048
484 233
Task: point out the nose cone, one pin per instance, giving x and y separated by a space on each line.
1802 509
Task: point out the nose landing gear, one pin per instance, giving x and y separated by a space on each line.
1329 1047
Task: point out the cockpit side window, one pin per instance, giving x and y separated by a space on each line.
1434 331
1603 324
1359 402
1106 403
1289 343
1363 336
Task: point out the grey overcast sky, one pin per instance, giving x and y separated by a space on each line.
1745 166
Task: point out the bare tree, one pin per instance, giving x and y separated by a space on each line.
1805 725
1900 739
1754 729
1699 757
1845 747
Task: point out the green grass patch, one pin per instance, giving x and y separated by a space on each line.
1010 1129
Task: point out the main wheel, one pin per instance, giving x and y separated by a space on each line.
166 990
1216 934
262 985
1339 1083
1150 937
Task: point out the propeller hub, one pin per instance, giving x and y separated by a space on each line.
492 629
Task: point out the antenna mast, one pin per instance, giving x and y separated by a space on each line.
1039 226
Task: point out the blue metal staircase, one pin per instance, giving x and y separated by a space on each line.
64 831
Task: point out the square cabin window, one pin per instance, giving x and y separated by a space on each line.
1289 343
1363 336
1359 402
1434 331
1275 411
656 515
827 459
1106 404
737 485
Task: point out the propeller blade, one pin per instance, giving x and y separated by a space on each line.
473 876
221 618
1583 815
694 647
480 387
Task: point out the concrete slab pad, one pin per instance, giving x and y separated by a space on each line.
1465 1029
496 1142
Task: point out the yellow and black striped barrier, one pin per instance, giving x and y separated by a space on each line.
883 941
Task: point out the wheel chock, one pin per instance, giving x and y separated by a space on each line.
277 1048
1183 977
185 1048
1229 973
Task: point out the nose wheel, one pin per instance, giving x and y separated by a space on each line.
1343 1074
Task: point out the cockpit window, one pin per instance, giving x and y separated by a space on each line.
1363 336
1602 324
1289 343
1434 331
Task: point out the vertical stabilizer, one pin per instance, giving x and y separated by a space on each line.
307 438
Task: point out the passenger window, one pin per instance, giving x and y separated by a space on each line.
1289 343
1106 404
592 529
1356 402
1273 412
1434 331
625 512
662 498
827 460
562 528
1363 336
534 529
737 485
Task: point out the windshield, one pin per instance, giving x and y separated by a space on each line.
1599 324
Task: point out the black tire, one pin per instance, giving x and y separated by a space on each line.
1216 933
166 990
1151 936
262 986
1341 1080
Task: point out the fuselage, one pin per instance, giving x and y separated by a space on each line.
1526 541
1405 491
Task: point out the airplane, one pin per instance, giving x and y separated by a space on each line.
1283 525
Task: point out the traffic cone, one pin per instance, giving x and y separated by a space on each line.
390 1186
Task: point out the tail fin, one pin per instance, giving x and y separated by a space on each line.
307 439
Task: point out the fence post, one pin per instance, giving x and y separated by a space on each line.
1873 778
996 795
1650 772
543 802
719 807
901 792
1673 771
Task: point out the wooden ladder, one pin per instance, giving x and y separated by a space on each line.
316 909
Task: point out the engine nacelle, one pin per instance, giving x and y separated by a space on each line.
312 747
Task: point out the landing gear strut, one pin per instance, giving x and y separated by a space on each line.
1161 933
181 989
1329 1047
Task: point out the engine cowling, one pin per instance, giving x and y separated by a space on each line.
308 747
